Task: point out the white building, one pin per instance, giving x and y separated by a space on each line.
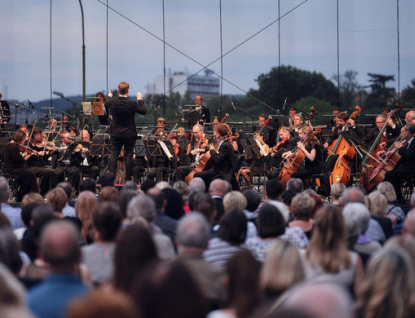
207 85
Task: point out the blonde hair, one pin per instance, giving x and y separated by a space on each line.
57 198
378 204
386 188
337 189
328 245
303 206
234 200
388 287
32 197
282 267
85 206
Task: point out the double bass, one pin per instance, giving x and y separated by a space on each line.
344 152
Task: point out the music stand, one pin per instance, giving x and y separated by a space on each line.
98 109
250 147
99 150
140 148
193 116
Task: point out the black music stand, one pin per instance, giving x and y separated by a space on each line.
154 149
99 150
192 116
251 148
140 148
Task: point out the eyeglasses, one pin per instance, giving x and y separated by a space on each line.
379 122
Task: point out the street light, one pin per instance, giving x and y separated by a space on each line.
83 53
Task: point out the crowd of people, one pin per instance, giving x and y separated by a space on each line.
157 250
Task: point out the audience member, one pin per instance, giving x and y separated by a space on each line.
67 210
378 205
88 185
336 191
107 180
13 214
174 203
85 206
295 184
197 184
109 194
218 189
302 207
183 189
409 225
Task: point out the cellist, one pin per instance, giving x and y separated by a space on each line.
392 130
310 145
406 167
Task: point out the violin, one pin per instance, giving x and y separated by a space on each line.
28 150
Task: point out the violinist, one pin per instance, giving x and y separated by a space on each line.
159 163
15 156
266 130
406 167
221 156
286 143
38 162
195 149
70 157
257 165
179 152
160 127
181 137
310 146
89 165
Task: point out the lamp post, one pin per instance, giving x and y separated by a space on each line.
83 53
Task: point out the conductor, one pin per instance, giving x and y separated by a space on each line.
122 128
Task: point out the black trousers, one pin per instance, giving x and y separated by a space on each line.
27 181
395 177
48 178
116 145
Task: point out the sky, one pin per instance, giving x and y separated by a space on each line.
41 42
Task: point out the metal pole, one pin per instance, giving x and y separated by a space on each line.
83 54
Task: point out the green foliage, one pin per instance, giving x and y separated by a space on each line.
408 94
323 107
381 95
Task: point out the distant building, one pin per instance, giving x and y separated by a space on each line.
208 85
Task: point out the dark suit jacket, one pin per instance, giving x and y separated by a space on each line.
374 132
219 208
407 161
123 113
223 160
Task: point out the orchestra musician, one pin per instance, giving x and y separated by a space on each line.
409 118
15 156
406 166
181 137
89 165
159 164
267 131
38 161
195 149
258 165
203 111
286 143
298 122
104 119
392 130
310 146
70 157
160 129
221 156
293 111
122 129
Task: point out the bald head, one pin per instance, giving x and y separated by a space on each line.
59 244
218 187
352 194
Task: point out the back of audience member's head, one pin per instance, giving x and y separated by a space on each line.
273 189
59 244
234 200
409 224
162 185
387 189
205 205
321 300
356 218
233 227
390 280
107 180
406 242
282 208
174 203
4 221
270 222
141 206
135 249
280 312
253 199
67 187
101 304
197 184
32 197
41 215
158 197
352 194
27 211
242 272
295 184
107 220
124 199
218 187
88 185
147 184
302 206
183 189
282 258
378 204
174 284
130 185
336 190
287 196
57 199
193 231
193 198
109 194
9 251
4 189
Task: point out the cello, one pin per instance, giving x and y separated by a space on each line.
292 164
345 152
371 162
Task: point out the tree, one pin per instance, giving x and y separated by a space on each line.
349 88
408 93
381 94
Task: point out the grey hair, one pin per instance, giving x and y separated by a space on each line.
295 184
4 188
197 184
141 206
352 194
356 219
193 231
